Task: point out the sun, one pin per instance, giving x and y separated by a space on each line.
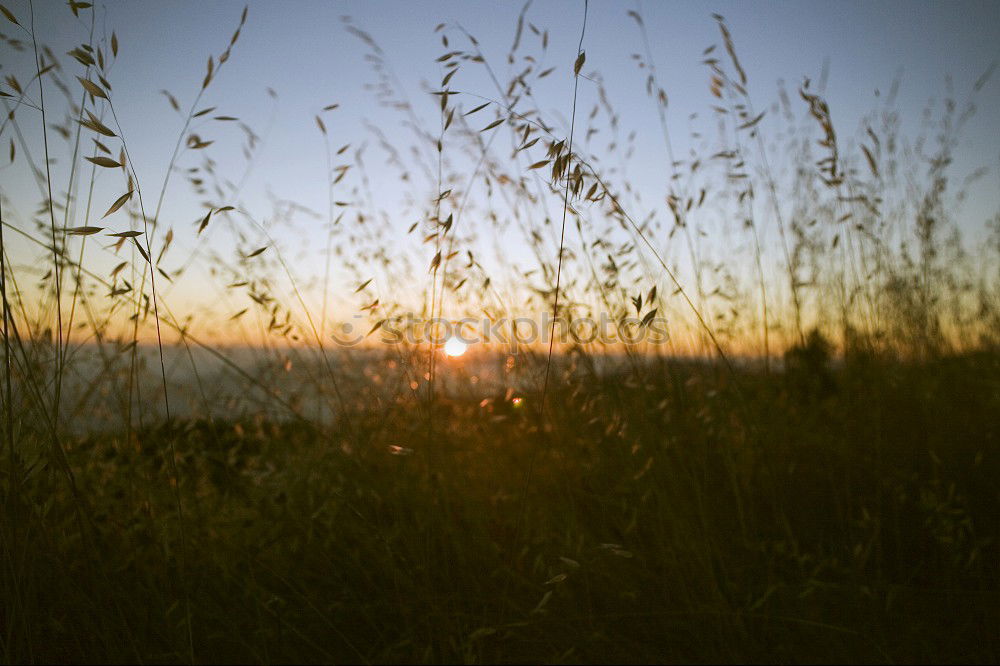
455 347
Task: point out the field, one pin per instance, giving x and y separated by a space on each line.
243 437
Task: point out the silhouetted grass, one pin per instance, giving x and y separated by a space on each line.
856 520
805 472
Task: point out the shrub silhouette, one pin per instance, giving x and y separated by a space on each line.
808 368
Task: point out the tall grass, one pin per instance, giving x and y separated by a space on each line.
805 471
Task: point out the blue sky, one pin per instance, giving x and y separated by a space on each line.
301 50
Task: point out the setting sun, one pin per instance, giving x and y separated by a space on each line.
455 347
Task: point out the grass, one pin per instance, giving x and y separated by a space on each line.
855 522
805 472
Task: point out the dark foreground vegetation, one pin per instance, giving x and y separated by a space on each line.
845 514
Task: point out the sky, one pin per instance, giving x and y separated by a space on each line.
301 51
